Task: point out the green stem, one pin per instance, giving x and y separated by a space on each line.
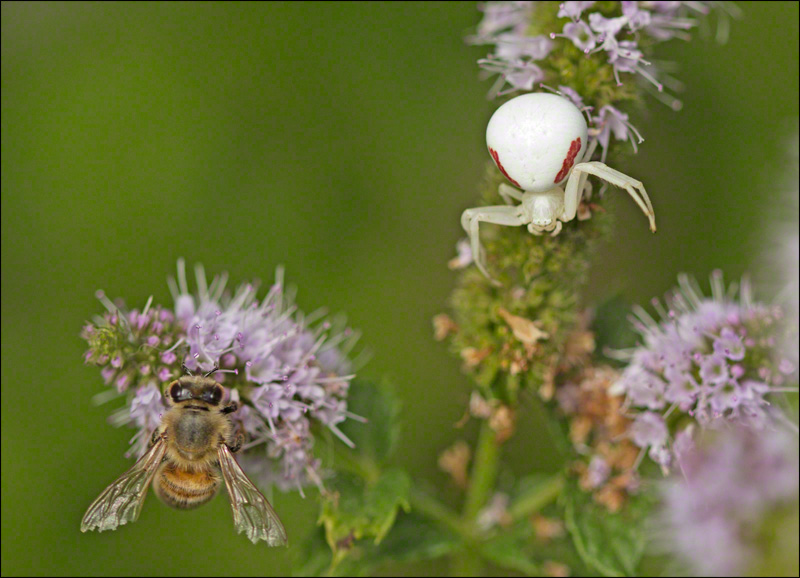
484 472
537 498
468 561
438 512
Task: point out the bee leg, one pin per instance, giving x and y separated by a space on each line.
230 408
235 443
157 433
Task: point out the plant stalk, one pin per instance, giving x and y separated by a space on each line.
468 561
484 472
435 510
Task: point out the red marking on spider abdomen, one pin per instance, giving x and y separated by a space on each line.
574 149
496 158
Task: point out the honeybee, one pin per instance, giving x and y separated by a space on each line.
190 453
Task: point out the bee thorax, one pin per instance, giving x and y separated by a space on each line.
195 435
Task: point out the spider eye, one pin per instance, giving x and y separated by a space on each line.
178 393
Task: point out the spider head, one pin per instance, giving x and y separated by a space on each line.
535 139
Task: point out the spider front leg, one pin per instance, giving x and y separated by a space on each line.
573 193
498 215
634 188
508 193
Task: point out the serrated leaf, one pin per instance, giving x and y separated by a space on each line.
376 439
357 511
612 544
412 538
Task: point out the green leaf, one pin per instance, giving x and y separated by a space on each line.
357 510
414 538
612 544
512 550
376 439
314 557
367 525
517 548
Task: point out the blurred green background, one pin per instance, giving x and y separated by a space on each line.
342 140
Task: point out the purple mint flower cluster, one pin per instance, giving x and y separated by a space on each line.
618 37
726 490
710 361
519 54
288 372
505 25
607 122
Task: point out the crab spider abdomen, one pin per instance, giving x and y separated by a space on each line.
535 139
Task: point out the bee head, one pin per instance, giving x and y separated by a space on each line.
195 388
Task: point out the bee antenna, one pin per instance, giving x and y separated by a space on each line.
186 369
216 368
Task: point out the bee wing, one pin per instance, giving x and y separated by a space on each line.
251 510
122 501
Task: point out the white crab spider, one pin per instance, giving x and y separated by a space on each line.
535 140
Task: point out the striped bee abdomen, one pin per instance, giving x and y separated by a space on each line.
185 489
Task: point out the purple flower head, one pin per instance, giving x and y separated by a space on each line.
144 412
726 488
580 34
147 406
573 9
597 472
712 360
519 74
666 22
626 57
463 256
608 28
286 370
683 388
505 26
510 46
637 18
649 429
610 121
499 16
573 95
522 43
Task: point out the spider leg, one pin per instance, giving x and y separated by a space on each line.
573 193
634 188
584 190
508 192
587 155
498 215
